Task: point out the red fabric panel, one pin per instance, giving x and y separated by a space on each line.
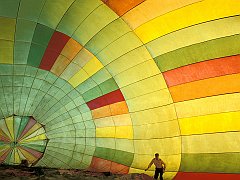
4 156
203 70
32 152
103 165
4 139
110 98
55 46
30 124
205 176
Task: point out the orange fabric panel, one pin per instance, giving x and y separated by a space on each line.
121 7
101 112
203 70
119 108
71 49
110 110
102 165
206 87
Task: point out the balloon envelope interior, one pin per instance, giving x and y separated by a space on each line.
104 85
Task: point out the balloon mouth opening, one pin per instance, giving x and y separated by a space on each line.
22 139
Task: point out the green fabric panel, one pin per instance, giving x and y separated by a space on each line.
92 94
25 30
93 24
53 11
30 9
35 147
77 12
2 143
8 158
104 88
212 49
124 157
9 8
16 123
19 69
7 81
107 35
6 69
117 156
85 86
39 142
104 153
35 55
7 29
108 86
24 122
21 51
211 162
42 34
101 75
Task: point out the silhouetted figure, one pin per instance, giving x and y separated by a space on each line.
24 163
160 166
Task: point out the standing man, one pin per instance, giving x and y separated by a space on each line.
160 166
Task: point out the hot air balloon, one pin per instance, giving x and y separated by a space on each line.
104 85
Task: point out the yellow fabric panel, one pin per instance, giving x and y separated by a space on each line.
4 128
7 29
144 86
20 154
208 105
83 57
104 122
16 157
115 132
210 123
141 161
3 148
9 122
122 63
151 100
122 120
27 155
124 145
33 129
93 66
166 175
71 49
36 138
105 132
119 47
60 65
166 146
159 114
6 52
136 73
151 9
3 134
157 130
78 78
164 24
214 143
124 132
199 33
38 132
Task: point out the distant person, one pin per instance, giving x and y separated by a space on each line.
160 166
